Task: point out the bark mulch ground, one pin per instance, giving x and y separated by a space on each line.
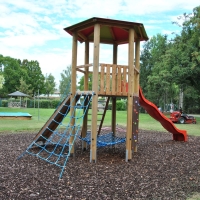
161 169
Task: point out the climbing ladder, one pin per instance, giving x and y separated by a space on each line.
100 116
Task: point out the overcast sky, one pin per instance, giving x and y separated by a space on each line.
33 29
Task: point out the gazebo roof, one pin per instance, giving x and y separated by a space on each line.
111 31
18 94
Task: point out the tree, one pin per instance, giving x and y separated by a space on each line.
35 77
184 55
49 85
65 81
81 82
23 87
12 74
154 75
1 80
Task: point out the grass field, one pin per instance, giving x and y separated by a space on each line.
39 117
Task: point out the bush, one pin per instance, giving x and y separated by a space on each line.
109 106
121 105
30 103
4 103
55 103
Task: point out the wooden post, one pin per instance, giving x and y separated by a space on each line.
130 95
86 76
114 98
93 146
73 87
135 120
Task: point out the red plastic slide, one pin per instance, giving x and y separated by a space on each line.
178 135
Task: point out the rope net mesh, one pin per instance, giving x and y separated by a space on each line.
107 138
55 147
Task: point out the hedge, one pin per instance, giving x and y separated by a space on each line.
120 104
42 103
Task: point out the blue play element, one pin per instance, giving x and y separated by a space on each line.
14 114
108 139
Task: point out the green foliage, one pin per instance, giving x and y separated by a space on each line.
65 81
4 103
23 87
35 77
25 75
109 106
81 83
49 85
44 103
55 103
169 67
31 103
1 81
12 74
120 105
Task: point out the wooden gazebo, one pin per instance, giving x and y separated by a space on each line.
109 79
21 103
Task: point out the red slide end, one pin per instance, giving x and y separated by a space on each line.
178 135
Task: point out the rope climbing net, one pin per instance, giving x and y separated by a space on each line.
54 142
106 139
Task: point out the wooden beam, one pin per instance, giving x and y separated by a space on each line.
114 99
73 86
103 116
85 65
93 146
135 128
86 87
130 95
137 67
82 36
80 71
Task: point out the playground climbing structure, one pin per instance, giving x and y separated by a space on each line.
109 80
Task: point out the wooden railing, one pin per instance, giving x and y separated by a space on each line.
113 78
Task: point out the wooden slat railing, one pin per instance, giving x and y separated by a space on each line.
113 78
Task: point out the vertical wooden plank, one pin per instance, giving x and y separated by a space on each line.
93 146
135 120
107 79
123 80
73 87
102 86
130 95
114 92
137 66
126 79
86 88
115 48
119 80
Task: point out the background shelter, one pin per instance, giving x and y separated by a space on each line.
21 103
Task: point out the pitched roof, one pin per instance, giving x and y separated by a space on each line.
112 31
18 94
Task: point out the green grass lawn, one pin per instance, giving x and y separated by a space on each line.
39 117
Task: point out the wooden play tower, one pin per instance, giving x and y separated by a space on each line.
109 80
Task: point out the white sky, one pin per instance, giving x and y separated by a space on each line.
33 29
